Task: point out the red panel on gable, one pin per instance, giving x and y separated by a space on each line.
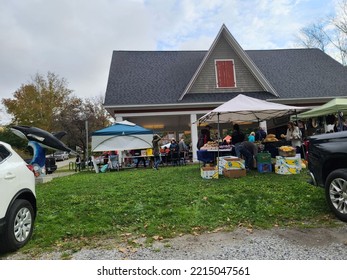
225 73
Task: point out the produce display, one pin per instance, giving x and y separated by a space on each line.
210 145
271 138
286 148
287 151
213 145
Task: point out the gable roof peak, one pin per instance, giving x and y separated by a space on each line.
243 55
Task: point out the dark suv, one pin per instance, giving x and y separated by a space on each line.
327 164
50 165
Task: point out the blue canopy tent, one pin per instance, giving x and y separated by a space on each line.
121 136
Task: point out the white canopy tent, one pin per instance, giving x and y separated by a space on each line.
243 108
121 136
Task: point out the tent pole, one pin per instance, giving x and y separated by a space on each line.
218 142
340 120
296 116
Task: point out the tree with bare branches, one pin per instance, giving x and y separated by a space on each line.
329 34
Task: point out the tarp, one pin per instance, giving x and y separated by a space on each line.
122 136
335 105
243 108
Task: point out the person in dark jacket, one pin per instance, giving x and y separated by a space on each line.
260 134
174 152
204 137
237 138
249 151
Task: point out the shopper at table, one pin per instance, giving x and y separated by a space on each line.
174 152
237 138
156 150
182 146
251 137
183 150
249 151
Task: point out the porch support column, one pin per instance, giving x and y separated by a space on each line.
194 134
121 154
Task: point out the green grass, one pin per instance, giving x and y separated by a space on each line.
80 209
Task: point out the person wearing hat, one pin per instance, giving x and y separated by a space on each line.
156 150
251 137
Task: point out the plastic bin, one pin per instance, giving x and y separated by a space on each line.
263 158
264 167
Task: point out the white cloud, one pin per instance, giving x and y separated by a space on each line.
75 39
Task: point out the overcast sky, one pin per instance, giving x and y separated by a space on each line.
75 38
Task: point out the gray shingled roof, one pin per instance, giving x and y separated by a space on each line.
298 73
160 77
150 77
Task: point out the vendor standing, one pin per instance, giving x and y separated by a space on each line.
294 136
203 138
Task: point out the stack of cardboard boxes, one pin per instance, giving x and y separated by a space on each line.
233 167
288 165
228 166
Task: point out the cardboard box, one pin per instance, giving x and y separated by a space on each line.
292 162
234 173
209 172
221 162
286 170
233 163
288 165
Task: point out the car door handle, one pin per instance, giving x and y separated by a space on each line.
10 176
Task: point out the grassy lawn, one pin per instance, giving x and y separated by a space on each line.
77 210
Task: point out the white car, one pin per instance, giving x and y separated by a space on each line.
60 155
17 200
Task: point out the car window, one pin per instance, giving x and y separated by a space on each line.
4 153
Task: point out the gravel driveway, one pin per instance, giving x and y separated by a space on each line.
241 244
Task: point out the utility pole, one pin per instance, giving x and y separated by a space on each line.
87 144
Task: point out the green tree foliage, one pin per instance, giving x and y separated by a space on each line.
39 102
77 116
47 103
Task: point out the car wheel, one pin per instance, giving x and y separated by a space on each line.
19 226
336 193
